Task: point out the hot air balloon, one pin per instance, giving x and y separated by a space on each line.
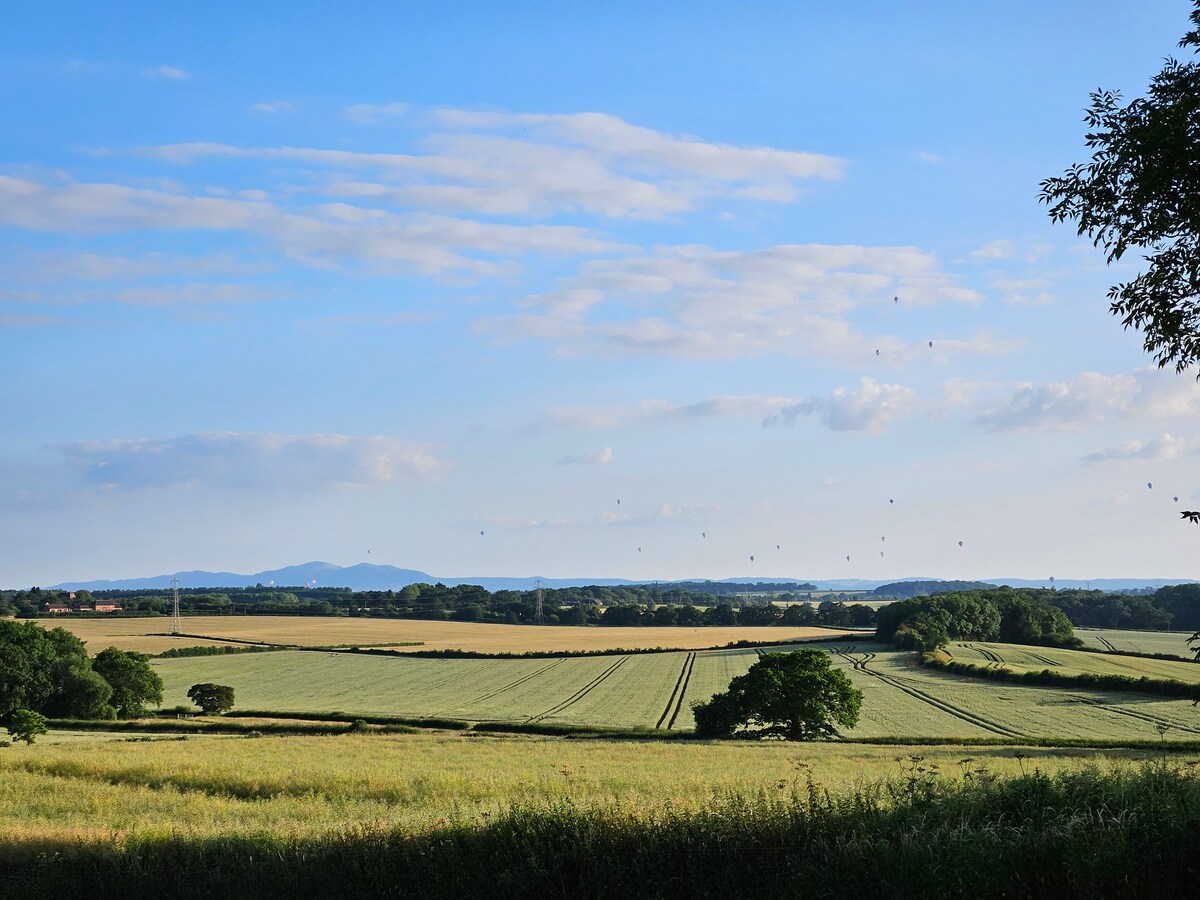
931 343
895 299
1176 499
618 501
1149 486
777 547
751 559
639 549
960 543
1052 579
884 538
876 352
891 501
881 553
704 534
847 559
481 534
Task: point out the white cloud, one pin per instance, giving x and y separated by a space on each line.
601 457
172 73
872 407
1165 447
1089 398
251 461
927 156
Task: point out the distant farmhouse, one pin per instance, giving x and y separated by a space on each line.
106 606
55 608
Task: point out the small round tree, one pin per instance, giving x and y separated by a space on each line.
798 696
213 699
25 725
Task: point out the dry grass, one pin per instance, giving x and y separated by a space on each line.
312 785
149 635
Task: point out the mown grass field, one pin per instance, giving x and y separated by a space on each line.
150 635
655 692
207 786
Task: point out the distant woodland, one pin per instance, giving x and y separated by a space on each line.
1169 608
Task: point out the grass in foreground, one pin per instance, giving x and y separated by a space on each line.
1078 832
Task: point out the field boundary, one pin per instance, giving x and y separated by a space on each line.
577 732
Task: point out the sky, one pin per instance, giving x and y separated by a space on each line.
621 290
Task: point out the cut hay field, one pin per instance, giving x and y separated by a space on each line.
207 786
150 635
655 691
1174 642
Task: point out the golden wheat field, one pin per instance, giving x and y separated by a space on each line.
150 635
206 786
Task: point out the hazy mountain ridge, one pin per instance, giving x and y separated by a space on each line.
372 577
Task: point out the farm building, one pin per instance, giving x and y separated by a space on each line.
106 606
55 608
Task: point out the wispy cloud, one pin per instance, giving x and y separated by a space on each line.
1089 398
272 107
369 112
172 73
536 164
323 234
697 301
656 411
251 461
1168 446
601 457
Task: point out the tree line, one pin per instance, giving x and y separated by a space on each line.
49 672
1001 614
625 605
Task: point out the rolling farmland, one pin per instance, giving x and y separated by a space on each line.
656 690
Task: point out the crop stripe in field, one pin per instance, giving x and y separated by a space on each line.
933 701
583 691
511 684
687 677
1107 644
1045 659
1146 717
683 671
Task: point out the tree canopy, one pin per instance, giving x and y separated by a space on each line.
1142 190
213 699
1000 614
134 683
49 672
798 696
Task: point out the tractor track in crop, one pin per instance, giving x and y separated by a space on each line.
962 714
1146 717
582 692
1107 644
512 684
675 704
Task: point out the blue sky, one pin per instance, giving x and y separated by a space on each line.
296 283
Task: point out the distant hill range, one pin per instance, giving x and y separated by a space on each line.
369 577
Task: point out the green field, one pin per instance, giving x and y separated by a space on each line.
1022 658
1173 642
656 690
